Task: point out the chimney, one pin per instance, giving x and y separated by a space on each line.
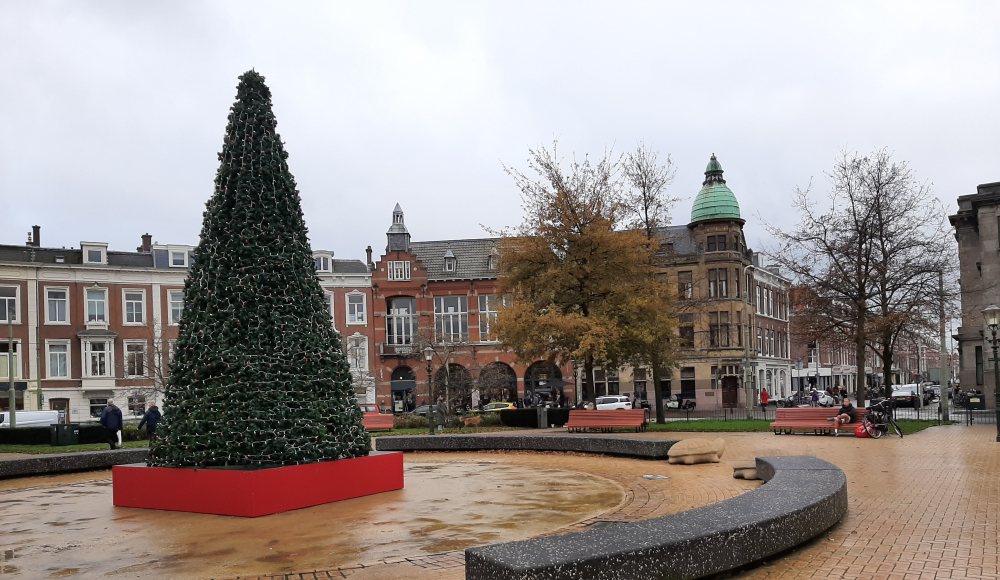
147 244
35 239
368 251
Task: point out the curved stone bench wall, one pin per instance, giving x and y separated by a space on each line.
629 447
802 497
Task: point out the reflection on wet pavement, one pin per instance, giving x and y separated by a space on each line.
64 526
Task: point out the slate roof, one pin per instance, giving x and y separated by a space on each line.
471 258
349 267
72 256
681 237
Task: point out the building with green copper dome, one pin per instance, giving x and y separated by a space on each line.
715 200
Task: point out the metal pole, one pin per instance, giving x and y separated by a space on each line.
11 398
430 400
945 362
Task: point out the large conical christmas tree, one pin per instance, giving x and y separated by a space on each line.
258 375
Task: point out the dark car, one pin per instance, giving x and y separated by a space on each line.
421 410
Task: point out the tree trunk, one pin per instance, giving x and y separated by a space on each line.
887 366
859 361
657 393
588 376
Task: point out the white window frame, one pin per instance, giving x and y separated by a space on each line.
451 325
170 307
129 355
323 263
357 352
398 270
354 315
109 363
450 264
125 304
401 325
48 318
184 258
101 252
171 347
87 301
67 356
17 304
488 315
17 360
330 299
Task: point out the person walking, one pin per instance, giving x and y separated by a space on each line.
814 396
764 398
150 419
111 419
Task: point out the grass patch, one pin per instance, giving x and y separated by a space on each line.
910 426
40 449
700 425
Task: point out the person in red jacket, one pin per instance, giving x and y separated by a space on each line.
764 398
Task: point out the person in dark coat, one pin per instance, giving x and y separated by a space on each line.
111 419
150 419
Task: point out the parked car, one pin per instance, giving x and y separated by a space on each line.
675 402
31 418
908 395
421 410
498 406
611 402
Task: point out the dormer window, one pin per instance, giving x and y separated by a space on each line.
491 261
323 262
178 259
94 252
449 264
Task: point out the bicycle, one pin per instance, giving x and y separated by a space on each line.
879 419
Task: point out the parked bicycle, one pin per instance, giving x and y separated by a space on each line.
879 418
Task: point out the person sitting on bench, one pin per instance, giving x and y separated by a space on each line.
845 416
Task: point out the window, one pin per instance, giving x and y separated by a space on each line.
328 300
176 300
639 381
97 307
58 359
687 383
449 264
137 405
489 306
356 308
718 329
491 261
178 259
717 283
739 329
97 406
8 304
10 359
399 270
135 306
979 365
451 318
95 257
685 285
401 323
56 306
322 263
171 346
135 359
357 352
97 358
686 330
716 243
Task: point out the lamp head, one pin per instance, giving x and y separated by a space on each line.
428 353
991 314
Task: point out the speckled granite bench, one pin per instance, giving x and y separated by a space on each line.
624 446
51 463
692 544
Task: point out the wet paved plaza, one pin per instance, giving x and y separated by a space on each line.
922 507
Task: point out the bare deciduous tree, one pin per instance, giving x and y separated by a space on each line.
647 177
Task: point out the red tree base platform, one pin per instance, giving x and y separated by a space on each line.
255 492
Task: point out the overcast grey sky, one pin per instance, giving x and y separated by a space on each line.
112 113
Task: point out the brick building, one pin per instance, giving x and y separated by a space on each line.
92 324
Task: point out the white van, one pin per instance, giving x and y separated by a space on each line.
31 418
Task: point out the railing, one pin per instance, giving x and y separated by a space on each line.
404 350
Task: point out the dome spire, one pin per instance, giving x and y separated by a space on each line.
713 172
715 200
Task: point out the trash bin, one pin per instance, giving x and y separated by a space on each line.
543 417
976 403
64 434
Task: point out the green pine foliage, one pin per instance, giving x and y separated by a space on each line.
258 376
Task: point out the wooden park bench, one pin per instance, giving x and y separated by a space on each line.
814 420
585 419
377 421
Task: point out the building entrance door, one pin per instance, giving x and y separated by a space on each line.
730 392
61 405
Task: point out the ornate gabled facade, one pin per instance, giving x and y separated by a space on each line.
439 300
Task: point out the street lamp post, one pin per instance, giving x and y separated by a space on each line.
992 316
428 356
11 396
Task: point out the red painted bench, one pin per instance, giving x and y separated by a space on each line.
377 421
585 419
814 420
